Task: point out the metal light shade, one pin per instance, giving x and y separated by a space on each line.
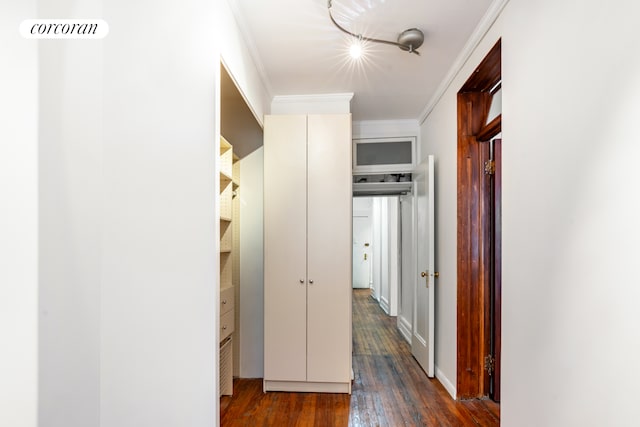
410 39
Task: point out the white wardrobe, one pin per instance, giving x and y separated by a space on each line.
307 253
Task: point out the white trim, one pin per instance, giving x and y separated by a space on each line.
320 98
421 340
476 37
384 304
405 328
361 213
330 103
445 382
383 168
306 387
241 23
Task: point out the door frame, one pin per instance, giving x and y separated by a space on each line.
473 228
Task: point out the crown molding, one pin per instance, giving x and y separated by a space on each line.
323 97
245 31
485 24
330 103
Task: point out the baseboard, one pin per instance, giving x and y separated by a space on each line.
405 328
306 387
446 383
384 303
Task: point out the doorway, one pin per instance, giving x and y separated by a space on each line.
377 250
479 288
390 256
362 242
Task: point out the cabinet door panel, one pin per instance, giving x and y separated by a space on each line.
329 248
285 231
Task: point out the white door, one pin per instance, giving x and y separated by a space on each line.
422 339
361 251
329 214
285 248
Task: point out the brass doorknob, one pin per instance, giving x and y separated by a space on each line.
436 274
423 274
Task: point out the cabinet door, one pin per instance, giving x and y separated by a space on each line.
285 229
329 248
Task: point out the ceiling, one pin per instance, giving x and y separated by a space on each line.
301 52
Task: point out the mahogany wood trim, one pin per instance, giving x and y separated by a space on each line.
490 130
472 331
488 73
474 231
498 269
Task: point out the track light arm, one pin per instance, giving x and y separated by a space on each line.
409 40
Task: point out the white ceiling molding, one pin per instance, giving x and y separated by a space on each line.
330 103
481 30
251 46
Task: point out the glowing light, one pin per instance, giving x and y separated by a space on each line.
355 51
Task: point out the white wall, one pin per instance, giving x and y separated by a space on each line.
439 137
70 219
237 57
571 96
18 219
384 254
393 225
128 282
385 227
362 205
571 341
376 247
159 299
251 266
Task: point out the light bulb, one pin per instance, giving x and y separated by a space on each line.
355 51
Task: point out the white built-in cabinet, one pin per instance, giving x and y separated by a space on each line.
307 253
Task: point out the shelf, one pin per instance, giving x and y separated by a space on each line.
224 180
226 270
226 236
381 188
226 158
224 145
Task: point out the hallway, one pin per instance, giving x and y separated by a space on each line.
389 388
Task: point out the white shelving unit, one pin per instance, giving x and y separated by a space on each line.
227 291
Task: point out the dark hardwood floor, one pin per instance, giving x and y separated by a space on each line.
390 389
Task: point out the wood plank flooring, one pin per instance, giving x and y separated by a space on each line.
390 389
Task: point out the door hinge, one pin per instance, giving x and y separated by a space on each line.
490 167
489 363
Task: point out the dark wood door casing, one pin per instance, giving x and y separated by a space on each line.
474 228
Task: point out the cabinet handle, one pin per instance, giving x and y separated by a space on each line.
224 328
301 280
310 281
224 301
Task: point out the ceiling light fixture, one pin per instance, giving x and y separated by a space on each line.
409 40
